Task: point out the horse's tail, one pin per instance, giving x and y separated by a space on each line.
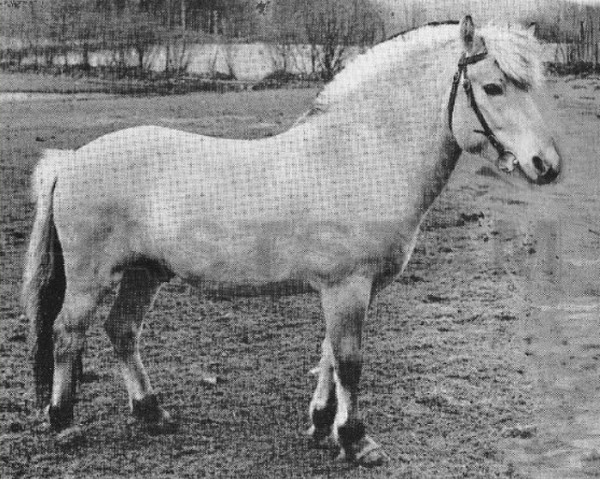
44 280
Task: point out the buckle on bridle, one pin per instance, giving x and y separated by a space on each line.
507 161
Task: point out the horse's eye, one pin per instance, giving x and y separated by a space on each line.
493 89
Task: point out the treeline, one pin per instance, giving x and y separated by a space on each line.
575 28
44 30
41 34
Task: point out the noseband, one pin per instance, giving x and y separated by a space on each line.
506 158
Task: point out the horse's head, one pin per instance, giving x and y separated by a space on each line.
496 115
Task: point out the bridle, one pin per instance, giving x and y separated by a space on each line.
507 161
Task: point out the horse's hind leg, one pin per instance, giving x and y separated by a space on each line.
123 326
69 339
345 306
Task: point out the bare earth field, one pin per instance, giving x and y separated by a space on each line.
483 360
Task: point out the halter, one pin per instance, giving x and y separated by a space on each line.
506 158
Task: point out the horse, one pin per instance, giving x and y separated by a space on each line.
332 205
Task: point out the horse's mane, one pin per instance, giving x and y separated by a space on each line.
429 24
515 50
518 54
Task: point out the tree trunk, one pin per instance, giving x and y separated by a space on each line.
140 52
86 57
168 37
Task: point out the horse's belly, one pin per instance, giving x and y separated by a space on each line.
226 290
282 257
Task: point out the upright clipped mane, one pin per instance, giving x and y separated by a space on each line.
430 24
517 53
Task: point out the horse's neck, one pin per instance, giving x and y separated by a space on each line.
393 133
410 133
419 123
438 173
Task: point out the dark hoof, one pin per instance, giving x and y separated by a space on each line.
61 417
370 454
357 447
155 418
165 425
366 453
71 437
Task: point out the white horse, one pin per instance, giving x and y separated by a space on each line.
332 205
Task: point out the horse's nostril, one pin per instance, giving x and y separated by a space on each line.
539 164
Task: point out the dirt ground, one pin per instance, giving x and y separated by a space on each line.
481 361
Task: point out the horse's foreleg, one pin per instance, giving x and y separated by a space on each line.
123 326
345 306
69 340
323 405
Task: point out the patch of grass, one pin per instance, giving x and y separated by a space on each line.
156 85
46 83
42 83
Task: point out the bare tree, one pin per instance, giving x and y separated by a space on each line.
142 33
575 28
333 25
123 26
65 27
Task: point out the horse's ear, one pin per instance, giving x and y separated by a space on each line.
531 29
467 32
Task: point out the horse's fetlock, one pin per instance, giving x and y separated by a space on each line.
349 370
350 433
61 417
323 418
147 409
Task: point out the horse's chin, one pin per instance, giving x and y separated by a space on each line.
520 179
551 176
521 175
517 178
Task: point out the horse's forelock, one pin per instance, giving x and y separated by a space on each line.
518 55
